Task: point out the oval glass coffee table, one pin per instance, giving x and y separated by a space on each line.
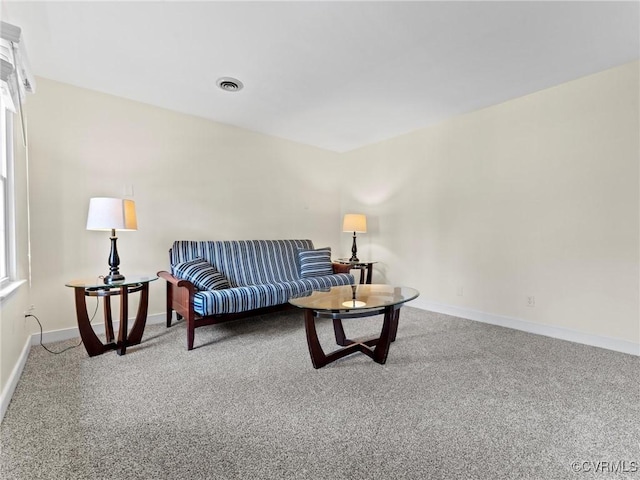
353 301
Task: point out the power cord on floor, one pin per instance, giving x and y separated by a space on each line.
42 344
64 349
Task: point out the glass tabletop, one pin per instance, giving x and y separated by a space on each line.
98 282
349 262
355 297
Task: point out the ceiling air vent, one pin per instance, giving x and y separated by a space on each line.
229 84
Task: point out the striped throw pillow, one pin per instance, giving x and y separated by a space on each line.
202 274
315 263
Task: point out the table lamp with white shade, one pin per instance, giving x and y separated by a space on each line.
354 222
112 214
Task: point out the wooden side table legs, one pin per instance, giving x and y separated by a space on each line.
365 268
108 324
369 273
135 336
92 343
121 347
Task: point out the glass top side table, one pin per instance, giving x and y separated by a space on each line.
95 287
362 265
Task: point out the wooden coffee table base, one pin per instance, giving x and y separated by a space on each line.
376 348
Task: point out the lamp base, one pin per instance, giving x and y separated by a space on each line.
114 260
354 250
110 279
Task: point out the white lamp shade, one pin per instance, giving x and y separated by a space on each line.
111 214
354 222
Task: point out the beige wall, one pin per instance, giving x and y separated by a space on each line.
191 179
533 197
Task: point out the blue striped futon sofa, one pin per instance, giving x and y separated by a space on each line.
215 281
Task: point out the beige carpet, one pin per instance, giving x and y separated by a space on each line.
456 399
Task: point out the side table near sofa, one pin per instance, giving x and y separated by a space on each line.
362 265
97 288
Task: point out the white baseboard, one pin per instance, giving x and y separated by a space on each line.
12 383
552 331
49 337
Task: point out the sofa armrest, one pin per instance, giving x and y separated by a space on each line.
177 282
179 297
341 267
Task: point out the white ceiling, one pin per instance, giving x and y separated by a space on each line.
337 75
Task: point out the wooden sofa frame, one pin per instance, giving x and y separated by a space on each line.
180 295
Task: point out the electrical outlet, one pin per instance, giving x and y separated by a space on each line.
531 301
460 291
30 309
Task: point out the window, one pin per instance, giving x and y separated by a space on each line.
6 191
15 81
